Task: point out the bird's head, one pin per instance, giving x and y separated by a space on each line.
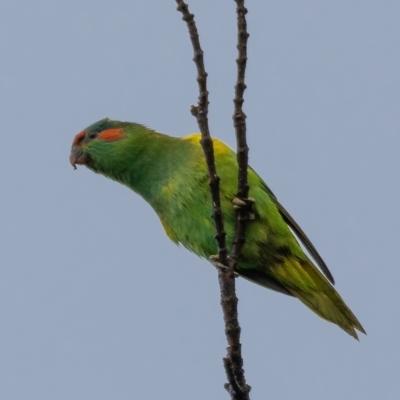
94 144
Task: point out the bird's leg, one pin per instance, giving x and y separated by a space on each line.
214 260
245 205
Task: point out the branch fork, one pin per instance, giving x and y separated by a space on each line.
233 362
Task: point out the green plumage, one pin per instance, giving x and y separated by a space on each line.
171 175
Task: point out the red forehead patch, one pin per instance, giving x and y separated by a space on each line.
110 135
78 138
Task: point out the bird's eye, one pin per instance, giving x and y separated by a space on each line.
92 135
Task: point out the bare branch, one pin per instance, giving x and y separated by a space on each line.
239 120
233 363
201 113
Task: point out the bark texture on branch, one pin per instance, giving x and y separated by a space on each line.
233 362
239 389
201 113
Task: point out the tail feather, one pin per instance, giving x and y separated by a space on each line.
304 281
332 310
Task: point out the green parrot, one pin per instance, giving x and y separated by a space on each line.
170 173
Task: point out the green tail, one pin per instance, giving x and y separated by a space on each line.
304 281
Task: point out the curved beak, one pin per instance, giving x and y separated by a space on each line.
77 156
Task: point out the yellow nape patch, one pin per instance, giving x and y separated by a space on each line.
194 137
220 148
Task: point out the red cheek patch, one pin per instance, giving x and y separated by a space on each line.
110 135
78 138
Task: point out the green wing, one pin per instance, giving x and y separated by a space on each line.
301 235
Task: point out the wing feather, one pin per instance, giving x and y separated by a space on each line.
302 237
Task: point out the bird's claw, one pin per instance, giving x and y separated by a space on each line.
217 264
245 205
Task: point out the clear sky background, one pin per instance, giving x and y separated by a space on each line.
95 301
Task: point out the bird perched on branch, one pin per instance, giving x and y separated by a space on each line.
171 175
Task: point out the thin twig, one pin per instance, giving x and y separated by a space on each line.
239 121
201 113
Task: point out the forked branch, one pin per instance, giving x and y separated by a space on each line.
233 362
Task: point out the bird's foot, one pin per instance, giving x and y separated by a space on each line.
214 260
246 206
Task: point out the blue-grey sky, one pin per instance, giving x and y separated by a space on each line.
95 301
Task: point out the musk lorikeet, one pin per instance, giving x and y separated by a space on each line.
170 173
